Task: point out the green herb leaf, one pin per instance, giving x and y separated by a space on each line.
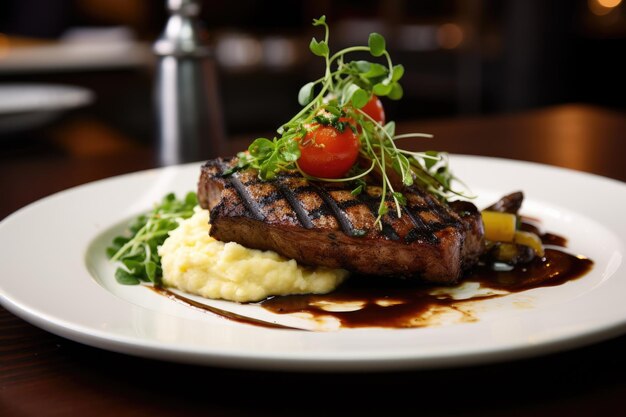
191 199
359 98
334 110
133 266
390 128
151 268
376 43
398 72
269 168
261 147
120 241
110 251
361 66
396 92
400 198
305 95
402 166
125 278
358 190
319 48
432 160
320 21
290 152
372 70
382 89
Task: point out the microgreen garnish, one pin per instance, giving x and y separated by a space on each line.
336 100
138 252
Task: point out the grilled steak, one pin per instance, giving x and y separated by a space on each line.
323 224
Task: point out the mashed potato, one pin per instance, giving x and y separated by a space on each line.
196 263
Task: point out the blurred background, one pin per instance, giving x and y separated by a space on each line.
462 58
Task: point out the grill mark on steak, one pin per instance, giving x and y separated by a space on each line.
370 202
251 205
317 213
445 219
292 198
389 232
417 232
360 199
330 203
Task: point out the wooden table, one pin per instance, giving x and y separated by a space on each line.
45 375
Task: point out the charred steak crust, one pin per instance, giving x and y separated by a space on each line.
323 224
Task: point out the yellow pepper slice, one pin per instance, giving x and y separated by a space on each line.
499 227
529 239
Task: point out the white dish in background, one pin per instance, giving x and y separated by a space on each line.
30 105
53 273
83 50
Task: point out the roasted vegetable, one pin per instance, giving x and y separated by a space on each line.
505 241
529 239
499 227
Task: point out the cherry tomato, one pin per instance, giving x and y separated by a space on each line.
325 152
374 109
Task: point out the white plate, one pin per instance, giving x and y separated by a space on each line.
77 55
30 105
53 274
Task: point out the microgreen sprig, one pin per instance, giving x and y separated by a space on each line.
345 88
138 252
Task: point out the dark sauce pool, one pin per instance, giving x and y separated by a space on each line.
396 303
400 303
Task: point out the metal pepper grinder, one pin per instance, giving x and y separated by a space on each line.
189 119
